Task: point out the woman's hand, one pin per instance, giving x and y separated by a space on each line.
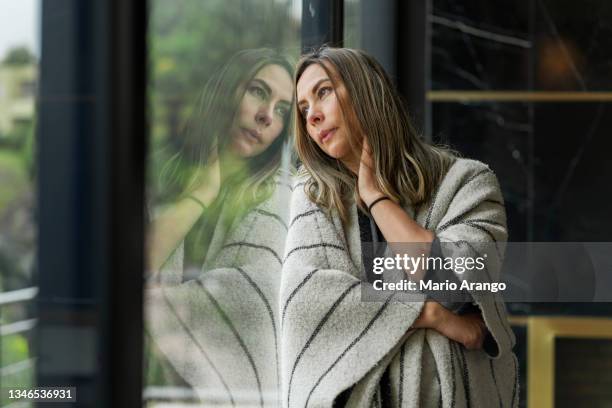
170 227
210 183
366 177
468 330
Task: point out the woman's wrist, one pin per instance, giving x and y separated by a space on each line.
373 203
432 316
369 197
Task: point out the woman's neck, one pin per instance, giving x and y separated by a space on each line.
352 163
230 164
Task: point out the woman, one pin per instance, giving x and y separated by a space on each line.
361 157
217 248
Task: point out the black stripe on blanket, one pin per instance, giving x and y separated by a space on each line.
350 346
454 380
281 184
292 294
262 296
473 224
183 325
496 304
516 380
466 375
433 201
232 328
250 245
493 201
482 221
304 214
304 247
272 215
439 389
486 231
401 376
437 371
495 382
314 334
457 218
475 176
301 183
375 403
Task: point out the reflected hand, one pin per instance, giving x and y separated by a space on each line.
209 183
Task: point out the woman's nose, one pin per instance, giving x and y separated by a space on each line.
315 117
263 117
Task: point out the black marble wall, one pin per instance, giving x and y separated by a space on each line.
551 157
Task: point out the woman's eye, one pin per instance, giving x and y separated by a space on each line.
281 111
324 91
304 112
257 91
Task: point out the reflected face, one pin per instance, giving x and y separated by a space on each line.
319 107
263 111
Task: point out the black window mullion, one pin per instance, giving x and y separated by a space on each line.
322 23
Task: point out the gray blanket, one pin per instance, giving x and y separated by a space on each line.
331 340
276 317
219 330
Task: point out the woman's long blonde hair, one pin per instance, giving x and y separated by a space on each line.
407 169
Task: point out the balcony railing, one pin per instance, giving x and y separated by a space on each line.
18 327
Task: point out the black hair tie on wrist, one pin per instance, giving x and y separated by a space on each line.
376 201
197 201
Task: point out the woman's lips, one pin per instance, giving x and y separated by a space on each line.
251 135
327 134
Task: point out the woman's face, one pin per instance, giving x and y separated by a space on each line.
263 111
319 107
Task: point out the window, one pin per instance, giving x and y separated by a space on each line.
220 92
19 52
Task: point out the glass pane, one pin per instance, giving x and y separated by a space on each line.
220 97
19 61
352 24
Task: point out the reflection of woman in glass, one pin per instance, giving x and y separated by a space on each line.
233 143
368 177
218 248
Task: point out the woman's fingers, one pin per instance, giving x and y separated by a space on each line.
367 186
474 333
366 153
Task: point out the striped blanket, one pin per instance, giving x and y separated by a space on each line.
331 340
220 329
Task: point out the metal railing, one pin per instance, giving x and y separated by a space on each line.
21 326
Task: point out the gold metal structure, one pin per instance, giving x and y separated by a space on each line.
516 96
541 334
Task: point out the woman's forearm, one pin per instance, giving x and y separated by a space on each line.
403 235
169 229
468 330
397 226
